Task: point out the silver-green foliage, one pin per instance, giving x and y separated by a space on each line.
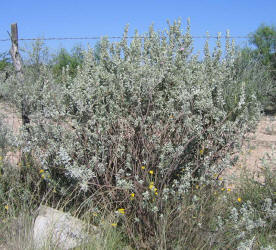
151 103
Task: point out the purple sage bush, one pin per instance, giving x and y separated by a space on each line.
142 124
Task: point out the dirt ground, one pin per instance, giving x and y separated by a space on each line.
256 146
11 118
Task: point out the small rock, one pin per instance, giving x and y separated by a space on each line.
58 229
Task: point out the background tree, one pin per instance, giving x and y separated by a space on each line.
72 59
4 60
264 39
65 59
263 53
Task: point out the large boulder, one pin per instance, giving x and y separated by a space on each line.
54 228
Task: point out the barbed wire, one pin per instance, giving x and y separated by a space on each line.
117 37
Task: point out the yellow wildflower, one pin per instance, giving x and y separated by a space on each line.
95 214
156 193
151 186
132 196
228 189
151 172
43 176
197 186
114 224
222 189
239 199
7 207
41 171
121 210
143 167
201 151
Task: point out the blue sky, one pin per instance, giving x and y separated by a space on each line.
70 18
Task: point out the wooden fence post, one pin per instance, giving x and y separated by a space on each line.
17 62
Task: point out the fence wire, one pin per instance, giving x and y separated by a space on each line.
117 37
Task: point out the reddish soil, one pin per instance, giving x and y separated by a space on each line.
11 118
256 147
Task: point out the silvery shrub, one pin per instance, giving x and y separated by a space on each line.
140 124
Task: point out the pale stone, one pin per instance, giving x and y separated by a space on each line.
53 228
